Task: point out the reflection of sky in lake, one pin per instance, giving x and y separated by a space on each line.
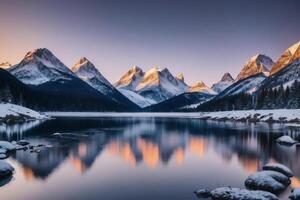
142 158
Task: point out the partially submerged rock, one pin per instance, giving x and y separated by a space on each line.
7 145
5 169
3 151
228 193
262 181
3 156
286 140
203 193
278 168
295 194
23 142
281 178
57 134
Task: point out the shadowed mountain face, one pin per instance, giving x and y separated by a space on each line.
45 83
73 95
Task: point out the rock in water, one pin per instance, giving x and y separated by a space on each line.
7 145
286 140
281 178
227 193
203 193
295 194
5 169
3 151
278 168
262 181
23 142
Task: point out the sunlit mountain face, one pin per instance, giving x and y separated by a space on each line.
144 150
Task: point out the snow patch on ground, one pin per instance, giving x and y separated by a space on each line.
7 109
237 193
136 98
286 140
262 115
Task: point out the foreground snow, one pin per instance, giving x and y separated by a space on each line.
284 115
136 98
7 109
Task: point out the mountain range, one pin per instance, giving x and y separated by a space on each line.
41 81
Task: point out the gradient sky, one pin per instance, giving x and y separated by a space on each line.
201 39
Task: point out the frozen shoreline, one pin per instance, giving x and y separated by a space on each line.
11 113
279 115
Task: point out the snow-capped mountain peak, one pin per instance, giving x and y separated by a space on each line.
40 66
294 48
180 77
160 84
225 81
201 87
130 79
5 65
227 77
290 55
87 71
257 64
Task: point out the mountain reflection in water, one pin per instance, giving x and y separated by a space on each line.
154 143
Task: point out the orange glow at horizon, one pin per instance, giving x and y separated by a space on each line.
150 152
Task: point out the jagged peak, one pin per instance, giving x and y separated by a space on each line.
227 77
256 64
135 68
292 49
40 52
199 84
5 64
180 77
83 63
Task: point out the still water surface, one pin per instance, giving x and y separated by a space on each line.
141 158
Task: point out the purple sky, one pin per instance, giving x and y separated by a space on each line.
201 39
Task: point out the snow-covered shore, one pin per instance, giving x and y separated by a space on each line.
13 113
278 115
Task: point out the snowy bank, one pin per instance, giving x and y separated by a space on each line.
13 113
279 115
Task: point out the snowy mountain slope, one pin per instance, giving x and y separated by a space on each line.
177 102
131 79
8 109
257 64
159 85
5 65
180 77
225 81
286 76
87 72
247 85
40 66
201 87
289 55
74 95
136 98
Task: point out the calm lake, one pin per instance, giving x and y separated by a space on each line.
120 158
